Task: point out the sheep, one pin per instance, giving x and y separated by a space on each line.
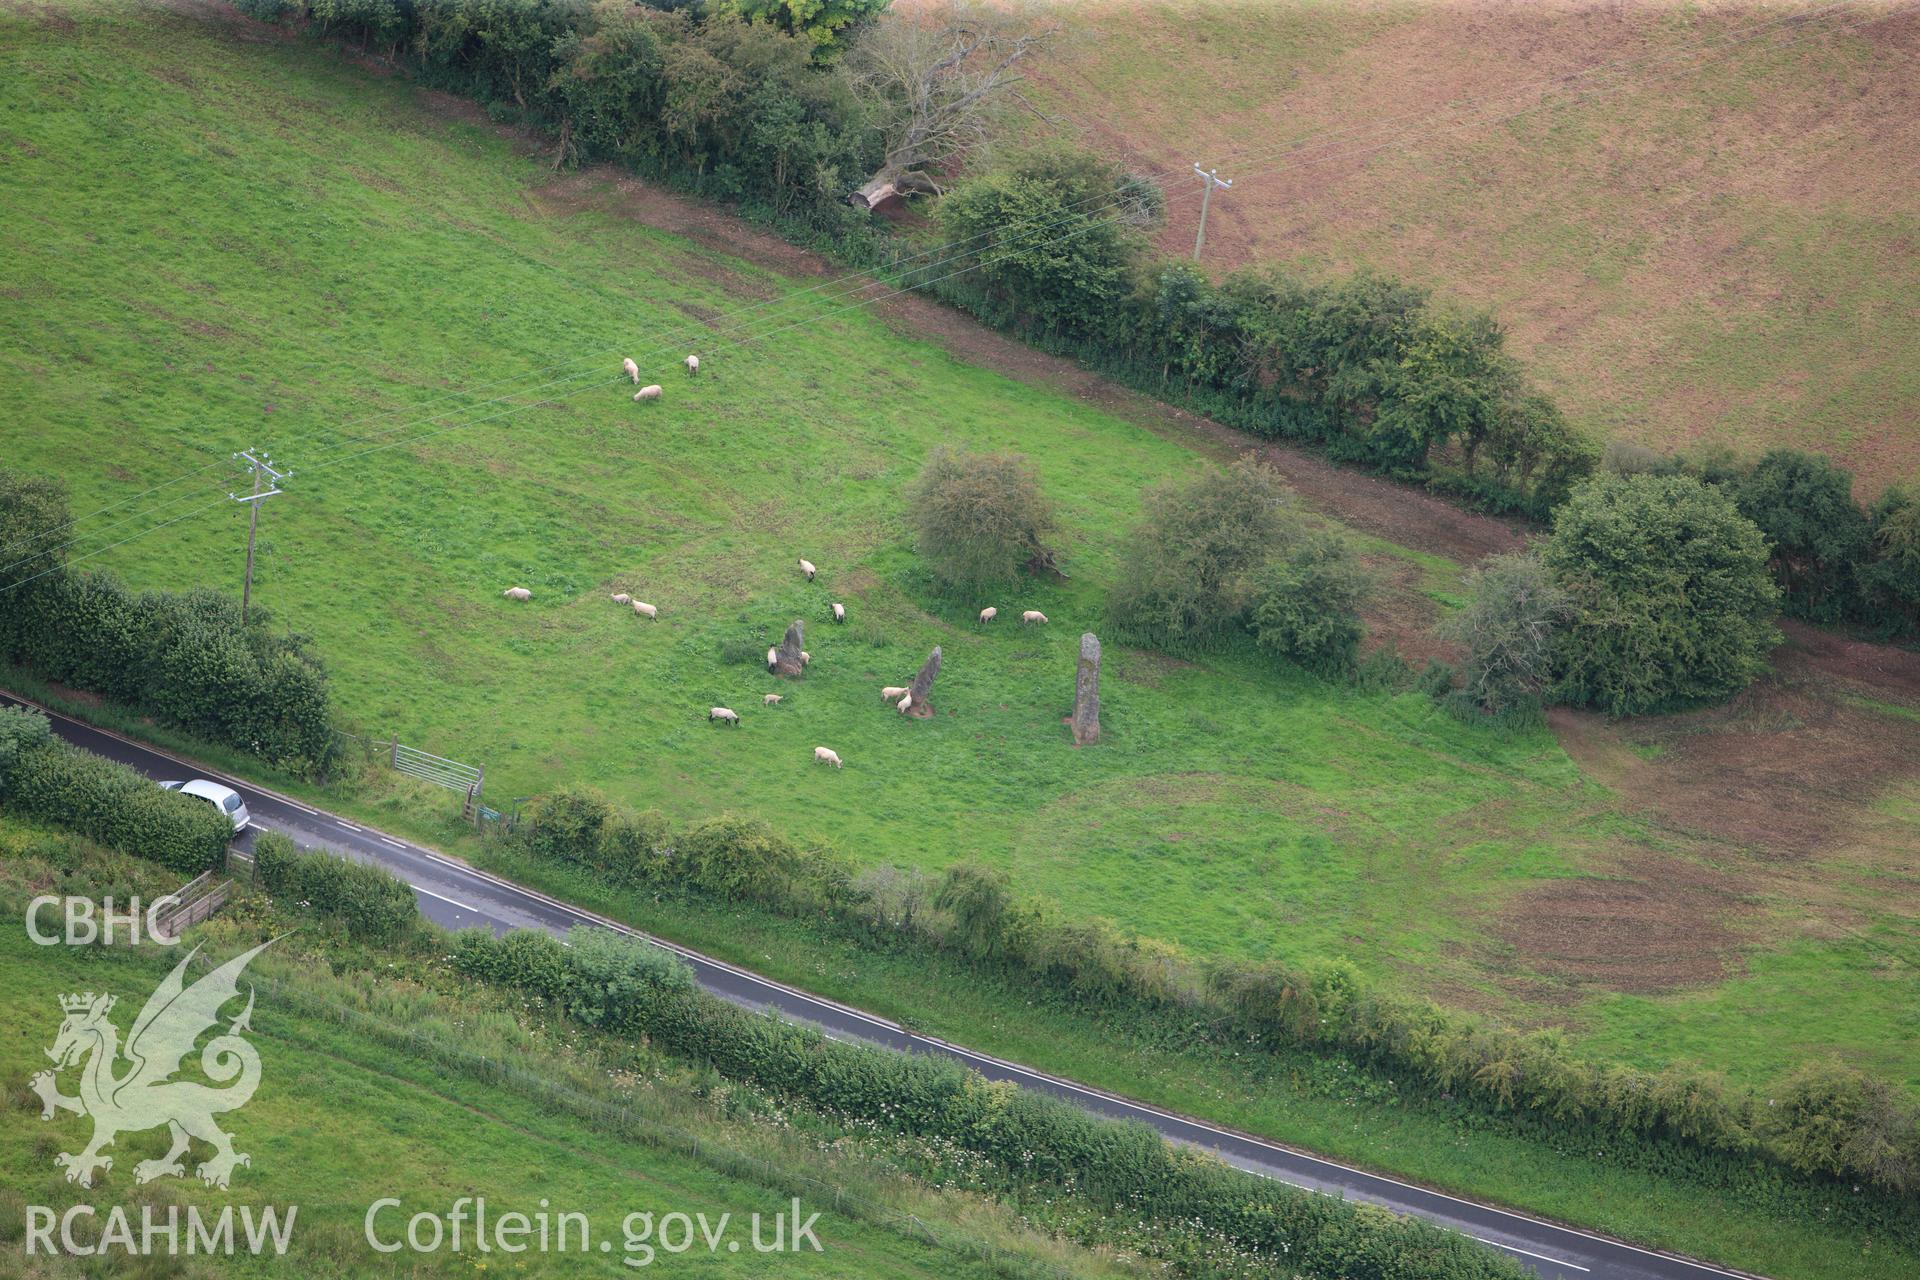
517 593
773 659
725 715
839 613
989 613
633 370
649 392
693 365
770 700
806 567
1033 615
891 692
622 598
827 755
904 703
646 610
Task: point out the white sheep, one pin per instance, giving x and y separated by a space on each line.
891 692
827 755
693 365
633 370
649 392
622 598
770 700
646 610
517 593
1033 615
806 567
725 715
773 659
989 613
904 703
839 613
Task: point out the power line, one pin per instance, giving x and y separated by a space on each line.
950 250
344 456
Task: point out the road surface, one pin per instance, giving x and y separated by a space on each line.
458 896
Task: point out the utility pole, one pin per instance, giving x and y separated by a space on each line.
1213 179
263 473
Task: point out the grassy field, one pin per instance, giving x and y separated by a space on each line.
1708 241
288 251
341 1120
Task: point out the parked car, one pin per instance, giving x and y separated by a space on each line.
226 799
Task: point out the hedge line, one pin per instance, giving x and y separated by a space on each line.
375 905
1824 1121
1372 369
184 658
45 778
630 987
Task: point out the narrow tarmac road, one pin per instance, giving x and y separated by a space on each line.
458 896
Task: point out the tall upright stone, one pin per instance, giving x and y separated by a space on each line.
1086 692
786 658
921 708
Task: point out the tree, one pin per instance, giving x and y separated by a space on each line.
1671 599
1306 604
1890 581
33 528
1184 580
610 83
1804 505
1508 629
930 76
1042 243
823 24
979 517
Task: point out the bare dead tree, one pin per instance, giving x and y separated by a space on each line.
930 77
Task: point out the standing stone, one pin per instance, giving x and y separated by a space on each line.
1086 692
922 687
786 660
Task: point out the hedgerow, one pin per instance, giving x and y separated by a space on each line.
374 904
45 778
1848 1127
1028 1136
185 658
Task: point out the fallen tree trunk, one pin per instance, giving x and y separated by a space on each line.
891 182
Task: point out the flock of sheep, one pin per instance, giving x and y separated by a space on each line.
900 696
652 390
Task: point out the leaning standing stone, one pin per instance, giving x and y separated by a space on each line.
1086 692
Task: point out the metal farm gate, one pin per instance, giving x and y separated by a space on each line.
441 772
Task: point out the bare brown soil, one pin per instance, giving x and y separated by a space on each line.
1694 234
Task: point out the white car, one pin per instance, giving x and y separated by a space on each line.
225 798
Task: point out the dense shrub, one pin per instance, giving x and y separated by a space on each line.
1671 599
184 658
1184 574
44 778
979 518
374 904
565 824
1817 536
1045 250
1513 610
1890 580
1306 603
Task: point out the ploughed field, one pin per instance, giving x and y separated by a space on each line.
1702 237
221 238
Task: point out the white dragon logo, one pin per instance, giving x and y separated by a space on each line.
144 1097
